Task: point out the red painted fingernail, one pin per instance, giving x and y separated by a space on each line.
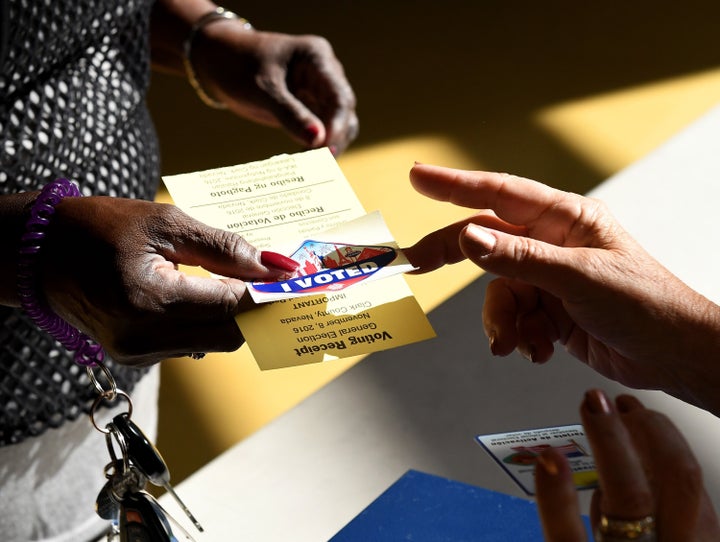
278 261
312 131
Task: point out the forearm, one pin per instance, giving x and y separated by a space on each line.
170 25
13 215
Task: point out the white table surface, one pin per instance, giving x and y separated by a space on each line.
309 472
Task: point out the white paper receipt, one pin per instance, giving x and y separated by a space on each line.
517 453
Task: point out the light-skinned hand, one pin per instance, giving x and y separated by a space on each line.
568 273
645 468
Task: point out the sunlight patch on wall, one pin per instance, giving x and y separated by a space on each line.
610 131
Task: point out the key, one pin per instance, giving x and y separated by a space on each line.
131 480
121 481
142 519
146 457
106 506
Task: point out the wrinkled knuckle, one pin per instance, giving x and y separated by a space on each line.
594 210
320 44
165 218
353 128
228 302
587 217
267 83
170 213
143 301
231 243
525 250
509 177
597 203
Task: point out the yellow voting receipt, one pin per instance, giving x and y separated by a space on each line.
349 297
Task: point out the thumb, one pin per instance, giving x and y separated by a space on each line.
219 251
557 270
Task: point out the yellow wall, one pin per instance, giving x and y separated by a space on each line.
567 93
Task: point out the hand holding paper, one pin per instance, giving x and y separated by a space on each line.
302 206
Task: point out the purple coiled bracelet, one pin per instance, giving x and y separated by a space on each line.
86 351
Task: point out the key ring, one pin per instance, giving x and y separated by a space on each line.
110 393
122 443
96 404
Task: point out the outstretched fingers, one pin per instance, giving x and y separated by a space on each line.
550 215
443 246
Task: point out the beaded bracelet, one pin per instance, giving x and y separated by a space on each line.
217 14
87 352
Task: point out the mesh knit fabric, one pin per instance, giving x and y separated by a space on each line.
73 78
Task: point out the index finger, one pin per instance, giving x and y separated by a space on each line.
514 199
442 246
182 239
557 498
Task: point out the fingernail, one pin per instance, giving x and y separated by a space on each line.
547 462
597 402
491 341
485 241
528 353
312 131
278 261
334 150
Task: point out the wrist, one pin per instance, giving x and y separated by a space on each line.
170 24
212 18
28 282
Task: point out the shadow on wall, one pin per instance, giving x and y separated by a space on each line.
474 71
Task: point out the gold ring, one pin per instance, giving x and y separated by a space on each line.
622 529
